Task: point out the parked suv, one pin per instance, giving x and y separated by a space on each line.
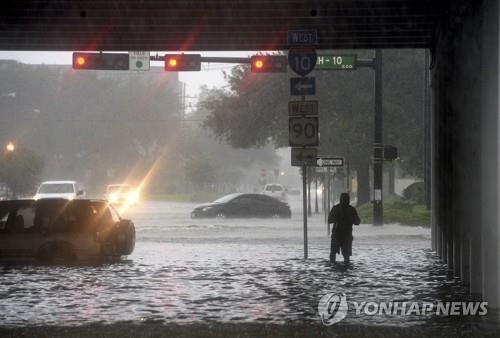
275 190
58 230
59 189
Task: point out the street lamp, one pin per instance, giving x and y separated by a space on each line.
10 147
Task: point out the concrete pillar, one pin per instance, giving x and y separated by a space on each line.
444 247
466 142
439 246
489 152
464 262
475 266
457 247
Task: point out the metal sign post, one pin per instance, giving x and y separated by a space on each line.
303 129
304 208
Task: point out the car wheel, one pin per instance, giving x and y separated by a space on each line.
125 237
220 215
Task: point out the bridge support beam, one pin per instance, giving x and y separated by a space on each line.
465 81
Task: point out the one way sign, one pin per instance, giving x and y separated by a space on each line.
300 86
327 161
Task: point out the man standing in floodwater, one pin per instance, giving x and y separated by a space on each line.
343 216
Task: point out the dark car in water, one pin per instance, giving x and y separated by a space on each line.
61 230
243 206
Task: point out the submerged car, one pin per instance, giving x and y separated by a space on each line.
243 205
121 193
60 230
59 189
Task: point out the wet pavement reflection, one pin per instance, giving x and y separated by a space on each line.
188 271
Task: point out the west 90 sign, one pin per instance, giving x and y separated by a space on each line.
303 131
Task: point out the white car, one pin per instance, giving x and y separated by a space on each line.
121 194
59 189
277 191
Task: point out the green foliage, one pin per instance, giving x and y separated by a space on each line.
200 172
415 192
196 197
87 121
397 210
253 111
21 170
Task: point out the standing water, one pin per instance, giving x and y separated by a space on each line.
252 271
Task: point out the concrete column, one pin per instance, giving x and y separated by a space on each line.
475 266
498 158
464 262
489 152
444 246
439 246
457 247
449 245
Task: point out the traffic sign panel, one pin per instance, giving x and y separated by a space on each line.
336 62
302 108
300 86
302 60
303 131
302 37
304 157
139 60
329 161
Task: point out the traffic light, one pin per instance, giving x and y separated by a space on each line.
101 61
390 153
268 63
182 62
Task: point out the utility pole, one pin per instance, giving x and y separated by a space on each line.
316 210
304 208
309 213
378 143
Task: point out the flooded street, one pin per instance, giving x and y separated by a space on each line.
189 270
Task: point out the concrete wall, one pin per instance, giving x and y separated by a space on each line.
465 143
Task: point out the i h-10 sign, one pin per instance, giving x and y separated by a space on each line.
336 62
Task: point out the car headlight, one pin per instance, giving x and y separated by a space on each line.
132 197
207 208
113 197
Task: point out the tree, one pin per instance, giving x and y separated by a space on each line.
253 112
200 172
21 171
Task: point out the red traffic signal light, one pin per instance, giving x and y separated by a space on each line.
182 62
268 63
101 61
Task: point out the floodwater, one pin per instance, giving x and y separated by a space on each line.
189 271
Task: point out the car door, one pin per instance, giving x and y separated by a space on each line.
268 206
18 237
242 206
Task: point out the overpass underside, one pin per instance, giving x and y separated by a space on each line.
463 37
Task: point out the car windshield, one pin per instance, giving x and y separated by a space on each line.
226 198
56 188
